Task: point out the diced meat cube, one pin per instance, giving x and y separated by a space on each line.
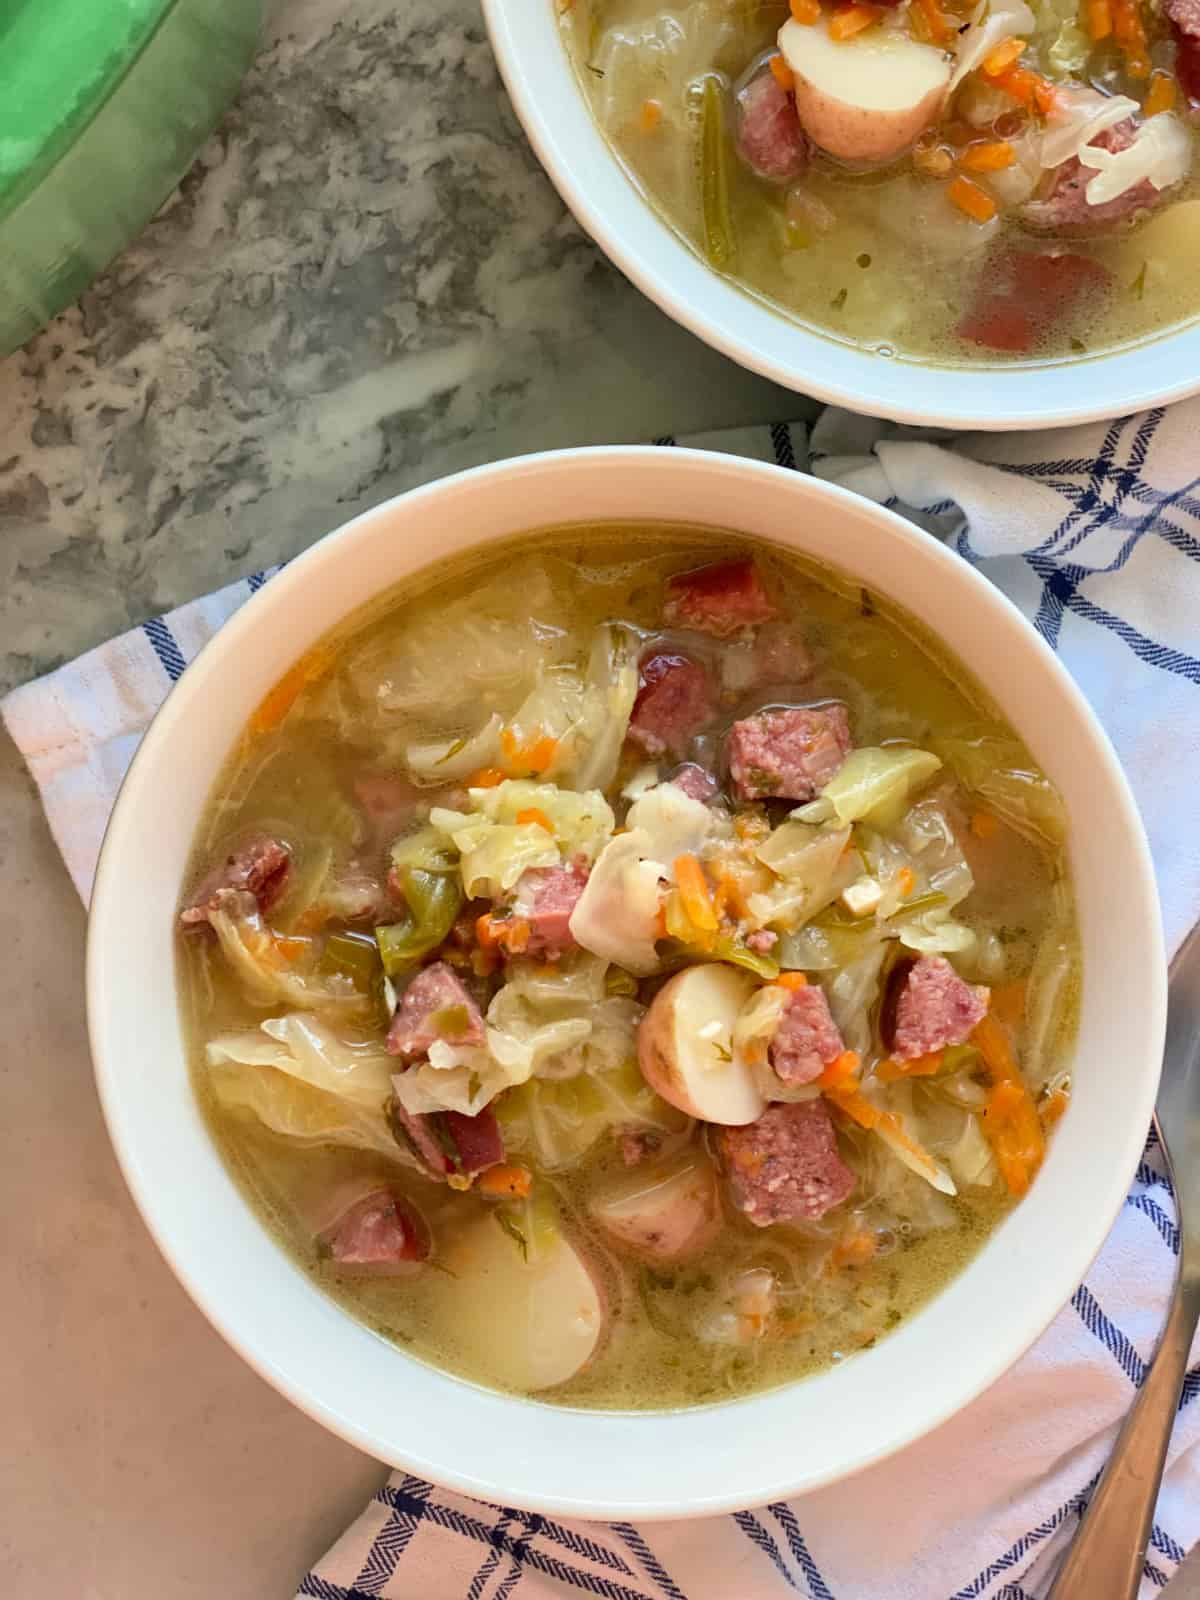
389 802
477 1140
785 1167
434 1007
935 1008
638 1145
545 899
446 1143
695 782
807 1038
770 139
381 1234
259 868
762 941
1187 57
721 599
1022 294
675 700
1066 209
788 754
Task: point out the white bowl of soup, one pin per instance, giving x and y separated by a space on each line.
958 231
594 1011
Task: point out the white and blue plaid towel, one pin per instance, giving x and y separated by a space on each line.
1095 533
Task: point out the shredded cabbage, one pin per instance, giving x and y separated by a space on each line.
496 849
445 761
878 783
1079 115
991 23
305 1082
1161 154
1000 774
608 695
268 978
853 990
557 1120
813 868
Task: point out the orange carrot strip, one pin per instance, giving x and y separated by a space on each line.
856 1106
485 931
806 11
485 778
535 814
847 21
1029 88
650 115
996 1049
927 1066
278 701
539 755
934 21
792 980
512 934
1130 34
782 73
1002 57
992 156
1014 1131
1099 19
906 881
290 949
854 1251
842 1072
1161 96
513 1183
695 894
983 824
975 202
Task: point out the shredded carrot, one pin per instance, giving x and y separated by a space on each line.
534 756
975 202
991 156
847 21
1099 19
782 73
694 892
734 896
535 814
1029 88
290 949
842 1072
1008 1001
983 824
650 115
792 980
485 778
1005 55
485 931
906 881
806 11
1130 34
855 1251
856 1106
484 962
1010 1119
927 1066
1051 1109
512 934
932 21
513 1183
277 702
1161 96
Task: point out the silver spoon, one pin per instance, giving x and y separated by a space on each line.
1109 1549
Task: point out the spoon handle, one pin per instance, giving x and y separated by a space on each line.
1107 1553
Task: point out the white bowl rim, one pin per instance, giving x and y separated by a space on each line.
606 203
778 1480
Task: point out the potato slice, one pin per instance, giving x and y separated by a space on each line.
662 1213
528 1323
685 1045
867 98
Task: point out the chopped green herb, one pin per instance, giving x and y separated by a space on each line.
720 245
923 902
863 260
866 603
838 301
504 1218
1078 346
453 750
1138 287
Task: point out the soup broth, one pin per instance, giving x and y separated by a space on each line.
504 885
975 239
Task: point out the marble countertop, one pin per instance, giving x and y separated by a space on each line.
364 282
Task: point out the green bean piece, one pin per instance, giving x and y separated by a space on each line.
433 900
720 245
352 955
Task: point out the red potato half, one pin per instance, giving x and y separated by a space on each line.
662 1214
685 1046
867 98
